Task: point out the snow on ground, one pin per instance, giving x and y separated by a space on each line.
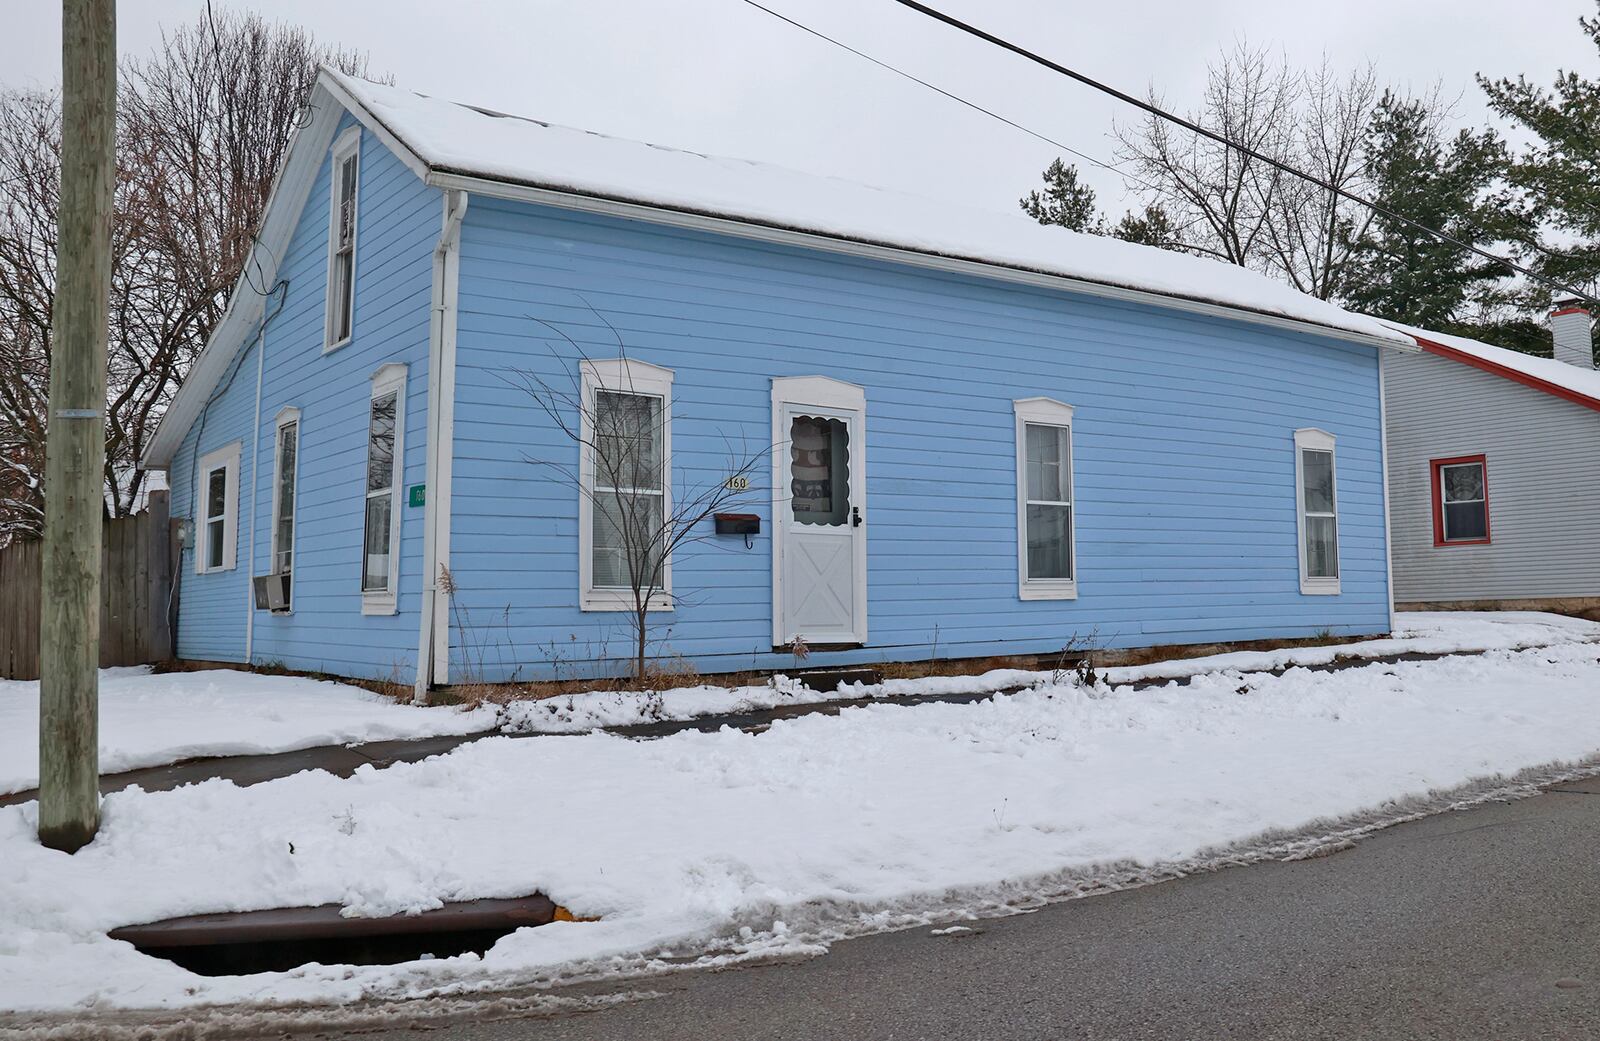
728 844
149 720
1440 632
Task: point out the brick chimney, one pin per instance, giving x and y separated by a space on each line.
1569 324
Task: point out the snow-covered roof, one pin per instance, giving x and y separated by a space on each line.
451 138
1547 374
454 145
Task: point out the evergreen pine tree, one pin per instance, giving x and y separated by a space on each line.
1407 275
1065 201
1560 173
1153 227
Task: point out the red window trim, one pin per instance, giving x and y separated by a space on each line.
1434 466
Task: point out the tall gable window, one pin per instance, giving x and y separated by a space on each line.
342 239
217 535
1318 511
626 468
1460 501
1046 561
380 538
285 472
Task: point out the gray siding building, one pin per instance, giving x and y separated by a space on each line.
1494 471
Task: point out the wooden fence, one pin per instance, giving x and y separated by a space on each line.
137 608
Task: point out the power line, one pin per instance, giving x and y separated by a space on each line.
1196 128
953 97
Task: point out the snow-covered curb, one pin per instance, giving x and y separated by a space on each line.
151 720
719 847
1442 632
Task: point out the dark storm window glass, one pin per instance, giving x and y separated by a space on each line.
629 479
283 536
216 515
1321 514
341 294
819 470
376 538
1049 501
1463 493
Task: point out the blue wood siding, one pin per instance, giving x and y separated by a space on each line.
1183 429
397 227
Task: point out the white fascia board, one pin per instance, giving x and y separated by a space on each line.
811 240
246 306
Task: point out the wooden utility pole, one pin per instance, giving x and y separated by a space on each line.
75 447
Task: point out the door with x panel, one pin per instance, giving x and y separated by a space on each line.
820 535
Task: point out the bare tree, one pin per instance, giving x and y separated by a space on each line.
1313 233
203 125
642 510
1219 200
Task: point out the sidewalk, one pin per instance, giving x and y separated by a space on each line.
344 760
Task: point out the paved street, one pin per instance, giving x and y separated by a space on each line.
1480 924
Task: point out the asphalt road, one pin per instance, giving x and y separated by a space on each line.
1476 924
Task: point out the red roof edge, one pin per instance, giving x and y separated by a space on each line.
1516 375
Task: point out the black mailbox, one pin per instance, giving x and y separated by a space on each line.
737 523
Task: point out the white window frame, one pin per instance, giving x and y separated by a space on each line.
1312 439
286 416
226 459
1046 412
624 376
347 147
390 377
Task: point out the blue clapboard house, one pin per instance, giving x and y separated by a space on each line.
928 430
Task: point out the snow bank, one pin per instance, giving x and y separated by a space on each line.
1443 632
741 845
150 720
457 138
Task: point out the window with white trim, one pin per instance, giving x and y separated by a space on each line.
626 494
1046 555
1316 491
380 538
344 181
217 530
285 476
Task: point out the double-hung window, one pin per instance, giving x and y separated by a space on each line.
1318 511
1046 561
285 471
626 496
380 539
1460 501
342 239
216 544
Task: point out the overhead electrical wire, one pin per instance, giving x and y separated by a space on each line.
1113 168
1155 110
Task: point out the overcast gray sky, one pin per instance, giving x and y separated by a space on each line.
720 76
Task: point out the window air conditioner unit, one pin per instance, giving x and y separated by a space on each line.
272 592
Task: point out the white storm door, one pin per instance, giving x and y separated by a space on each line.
820 542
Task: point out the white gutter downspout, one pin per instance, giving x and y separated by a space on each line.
433 662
